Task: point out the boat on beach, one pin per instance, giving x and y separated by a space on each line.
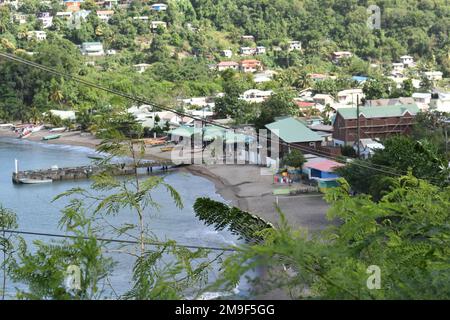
37 129
35 181
52 137
166 149
61 129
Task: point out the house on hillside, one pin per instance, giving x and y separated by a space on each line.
247 38
36 35
338 55
367 147
247 51
374 123
105 15
159 7
407 61
442 103
141 67
93 49
350 96
294 45
73 5
225 65
433 75
46 19
255 95
154 25
251 65
260 50
226 53
389 102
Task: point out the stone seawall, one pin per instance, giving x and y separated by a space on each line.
84 172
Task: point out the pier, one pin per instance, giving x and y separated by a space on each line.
85 172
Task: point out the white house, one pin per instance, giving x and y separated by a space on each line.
407 61
338 55
350 96
247 51
367 147
92 49
442 103
141 67
433 75
20 18
295 45
422 100
260 50
37 35
263 76
105 15
156 24
226 53
46 18
65 15
224 65
255 95
159 7
398 67
323 99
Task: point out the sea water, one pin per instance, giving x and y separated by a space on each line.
37 213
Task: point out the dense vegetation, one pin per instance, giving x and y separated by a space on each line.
197 31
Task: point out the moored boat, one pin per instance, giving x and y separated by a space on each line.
35 181
165 149
52 137
62 129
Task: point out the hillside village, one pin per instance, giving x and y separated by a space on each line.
208 81
254 85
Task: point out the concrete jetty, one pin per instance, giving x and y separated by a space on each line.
85 172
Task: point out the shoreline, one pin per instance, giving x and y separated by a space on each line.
75 139
248 187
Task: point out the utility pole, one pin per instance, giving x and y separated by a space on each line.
357 126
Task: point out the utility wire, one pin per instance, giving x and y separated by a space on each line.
152 243
157 106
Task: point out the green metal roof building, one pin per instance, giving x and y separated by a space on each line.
379 112
291 130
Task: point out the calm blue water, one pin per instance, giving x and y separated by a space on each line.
32 203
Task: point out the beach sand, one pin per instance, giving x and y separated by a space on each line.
248 187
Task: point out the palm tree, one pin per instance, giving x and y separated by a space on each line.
56 95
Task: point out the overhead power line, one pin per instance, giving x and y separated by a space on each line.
379 168
151 243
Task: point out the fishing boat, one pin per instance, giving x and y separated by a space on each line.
6 126
37 128
52 137
166 149
35 181
26 134
62 129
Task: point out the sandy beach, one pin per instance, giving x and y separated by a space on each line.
248 187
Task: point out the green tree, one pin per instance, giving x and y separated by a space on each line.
294 159
397 234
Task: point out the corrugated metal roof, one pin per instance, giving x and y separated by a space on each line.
291 130
379 112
